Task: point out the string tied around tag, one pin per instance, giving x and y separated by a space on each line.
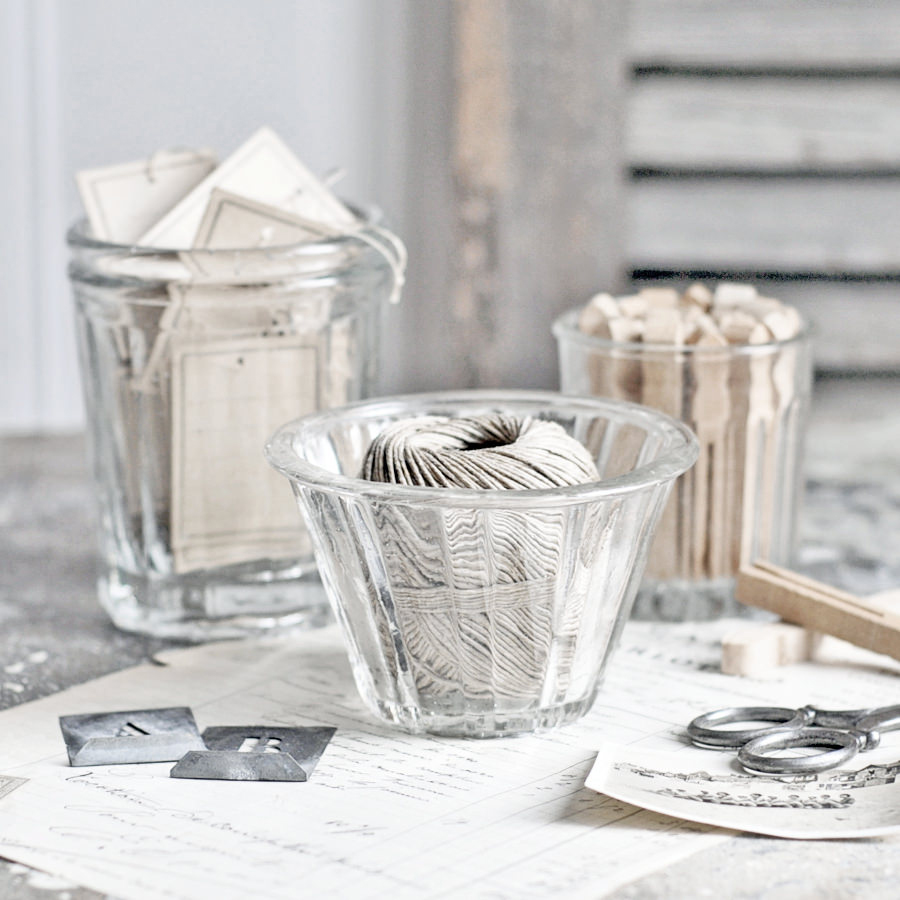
380 239
391 248
153 159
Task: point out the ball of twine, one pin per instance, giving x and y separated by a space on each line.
496 451
475 592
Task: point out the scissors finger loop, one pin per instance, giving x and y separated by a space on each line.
707 730
842 746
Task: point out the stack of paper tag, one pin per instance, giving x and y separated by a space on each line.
235 346
173 199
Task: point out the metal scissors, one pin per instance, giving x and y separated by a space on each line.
843 734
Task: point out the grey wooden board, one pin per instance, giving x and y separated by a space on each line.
752 868
538 183
783 33
764 123
778 224
855 325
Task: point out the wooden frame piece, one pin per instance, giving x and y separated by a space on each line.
817 606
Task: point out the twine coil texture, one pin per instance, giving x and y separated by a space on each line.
475 591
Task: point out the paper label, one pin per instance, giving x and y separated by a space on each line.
228 397
123 201
236 223
232 222
262 169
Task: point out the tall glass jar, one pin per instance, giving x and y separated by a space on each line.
190 359
748 406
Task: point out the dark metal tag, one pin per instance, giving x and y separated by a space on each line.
136 736
256 753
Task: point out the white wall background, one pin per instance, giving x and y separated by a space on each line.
90 82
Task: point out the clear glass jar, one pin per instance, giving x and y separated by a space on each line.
189 360
748 405
482 612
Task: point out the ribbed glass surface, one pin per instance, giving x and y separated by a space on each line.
184 380
482 612
748 405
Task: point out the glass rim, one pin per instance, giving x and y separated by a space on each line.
78 235
680 454
565 326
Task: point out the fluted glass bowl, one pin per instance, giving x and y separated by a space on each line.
482 612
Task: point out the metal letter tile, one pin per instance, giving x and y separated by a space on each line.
256 753
138 736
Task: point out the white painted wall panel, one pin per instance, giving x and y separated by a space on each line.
99 81
37 353
836 125
773 225
791 34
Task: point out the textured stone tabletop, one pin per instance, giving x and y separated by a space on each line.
53 633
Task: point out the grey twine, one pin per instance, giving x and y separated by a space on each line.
476 591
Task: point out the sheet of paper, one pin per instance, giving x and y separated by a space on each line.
386 814
123 201
262 169
861 799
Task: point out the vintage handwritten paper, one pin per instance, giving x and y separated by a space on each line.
386 814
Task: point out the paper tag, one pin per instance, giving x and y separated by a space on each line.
228 397
262 169
232 222
123 201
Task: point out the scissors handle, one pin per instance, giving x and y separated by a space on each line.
840 718
841 746
886 718
707 730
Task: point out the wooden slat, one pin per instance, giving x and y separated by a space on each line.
782 224
538 180
855 325
766 33
764 123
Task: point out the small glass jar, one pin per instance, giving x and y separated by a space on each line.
189 361
473 612
748 405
